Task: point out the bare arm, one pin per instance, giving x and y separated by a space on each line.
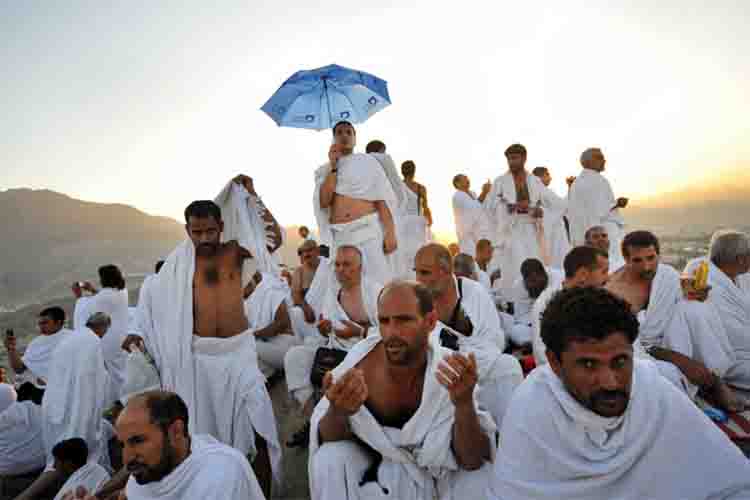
328 190
695 372
390 243
470 444
42 484
14 358
425 207
297 295
279 325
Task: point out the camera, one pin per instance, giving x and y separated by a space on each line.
448 339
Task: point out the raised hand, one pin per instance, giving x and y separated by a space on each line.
246 182
622 202
133 341
389 243
348 394
324 326
458 374
334 153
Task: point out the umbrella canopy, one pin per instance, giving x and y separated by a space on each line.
320 98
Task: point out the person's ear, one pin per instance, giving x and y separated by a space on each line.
554 362
221 226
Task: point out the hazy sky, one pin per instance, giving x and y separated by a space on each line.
155 104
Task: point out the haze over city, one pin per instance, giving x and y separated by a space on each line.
156 104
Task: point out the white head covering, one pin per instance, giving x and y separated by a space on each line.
7 396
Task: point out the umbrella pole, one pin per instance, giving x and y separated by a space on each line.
328 100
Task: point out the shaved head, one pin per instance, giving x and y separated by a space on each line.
437 254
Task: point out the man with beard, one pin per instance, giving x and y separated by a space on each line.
399 416
535 278
166 462
584 266
198 332
467 315
516 203
355 204
679 334
596 423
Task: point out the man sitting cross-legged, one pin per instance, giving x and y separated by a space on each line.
347 312
399 416
596 423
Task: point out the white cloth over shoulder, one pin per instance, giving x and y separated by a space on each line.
555 234
481 310
516 236
91 476
591 202
76 393
666 292
471 221
262 304
38 353
418 462
242 215
212 470
662 447
540 304
21 443
314 297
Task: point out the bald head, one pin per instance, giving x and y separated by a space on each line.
593 159
436 254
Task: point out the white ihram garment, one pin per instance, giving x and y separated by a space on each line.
591 202
212 470
362 177
471 221
38 355
555 235
21 442
418 462
516 236
218 378
662 447
91 476
76 393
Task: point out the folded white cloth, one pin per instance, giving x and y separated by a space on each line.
212 470
662 447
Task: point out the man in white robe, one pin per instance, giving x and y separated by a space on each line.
470 220
591 202
266 310
483 258
400 417
33 366
355 204
22 453
516 204
112 300
184 466
555 233
729 256
690 349
74 402
597 237
345 316
309 286
198 333
417 216
469 318
596 423
584 266
72 459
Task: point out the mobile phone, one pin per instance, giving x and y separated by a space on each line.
448 339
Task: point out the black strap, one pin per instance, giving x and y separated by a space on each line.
454 316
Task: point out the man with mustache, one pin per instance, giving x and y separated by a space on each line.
165 461
399 416
468 322
678 333
597 423
197 329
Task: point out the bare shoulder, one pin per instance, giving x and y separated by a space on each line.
616 282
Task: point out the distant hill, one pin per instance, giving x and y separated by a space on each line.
695 209
51 240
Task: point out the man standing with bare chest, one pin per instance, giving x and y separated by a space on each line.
198 332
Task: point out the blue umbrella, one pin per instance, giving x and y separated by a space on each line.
320 98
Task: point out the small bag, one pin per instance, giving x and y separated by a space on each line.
326 359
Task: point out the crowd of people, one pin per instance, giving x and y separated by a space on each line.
545 354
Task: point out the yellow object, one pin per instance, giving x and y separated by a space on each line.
701 276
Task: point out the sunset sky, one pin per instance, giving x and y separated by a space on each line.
155 104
